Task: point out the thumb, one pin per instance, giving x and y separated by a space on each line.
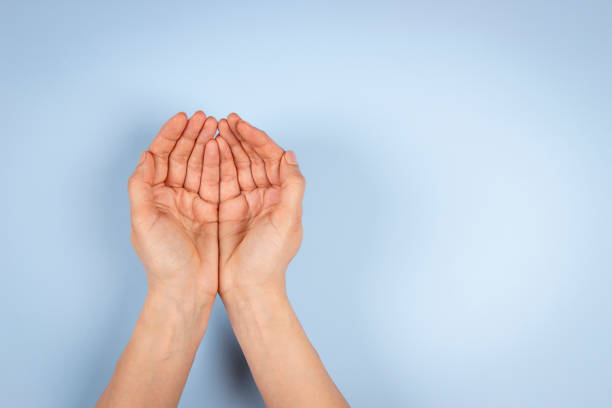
140 190
292 185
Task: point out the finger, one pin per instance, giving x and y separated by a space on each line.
264 146
228 177
258 169
209 186
241 159
292 186
163 144
177 164
194 165
140 190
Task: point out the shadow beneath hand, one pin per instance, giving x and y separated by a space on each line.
236 366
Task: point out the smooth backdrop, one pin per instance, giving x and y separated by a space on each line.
457 247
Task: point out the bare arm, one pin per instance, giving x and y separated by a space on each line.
174 206
154 366
260 232
286 368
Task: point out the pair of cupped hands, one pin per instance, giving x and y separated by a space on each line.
215 207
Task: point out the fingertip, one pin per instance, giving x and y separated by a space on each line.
143 157
209 128
291 158
246 124
232 119
225 130
242 123
250 132
178 122
244 130
212 120
195 125
197 114
173 128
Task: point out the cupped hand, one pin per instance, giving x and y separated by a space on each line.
261 190
174 195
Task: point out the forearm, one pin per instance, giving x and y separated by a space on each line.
286 368
155 364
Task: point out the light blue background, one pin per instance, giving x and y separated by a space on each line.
458 244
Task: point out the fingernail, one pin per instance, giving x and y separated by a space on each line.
290 157
142 158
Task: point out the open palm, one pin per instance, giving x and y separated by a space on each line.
260 207
174 196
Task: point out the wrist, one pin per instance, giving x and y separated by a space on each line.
187 295
263 304
186 312
254 294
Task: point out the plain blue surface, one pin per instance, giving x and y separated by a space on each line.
458 244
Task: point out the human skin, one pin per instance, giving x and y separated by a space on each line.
260 231
217 215
174 195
